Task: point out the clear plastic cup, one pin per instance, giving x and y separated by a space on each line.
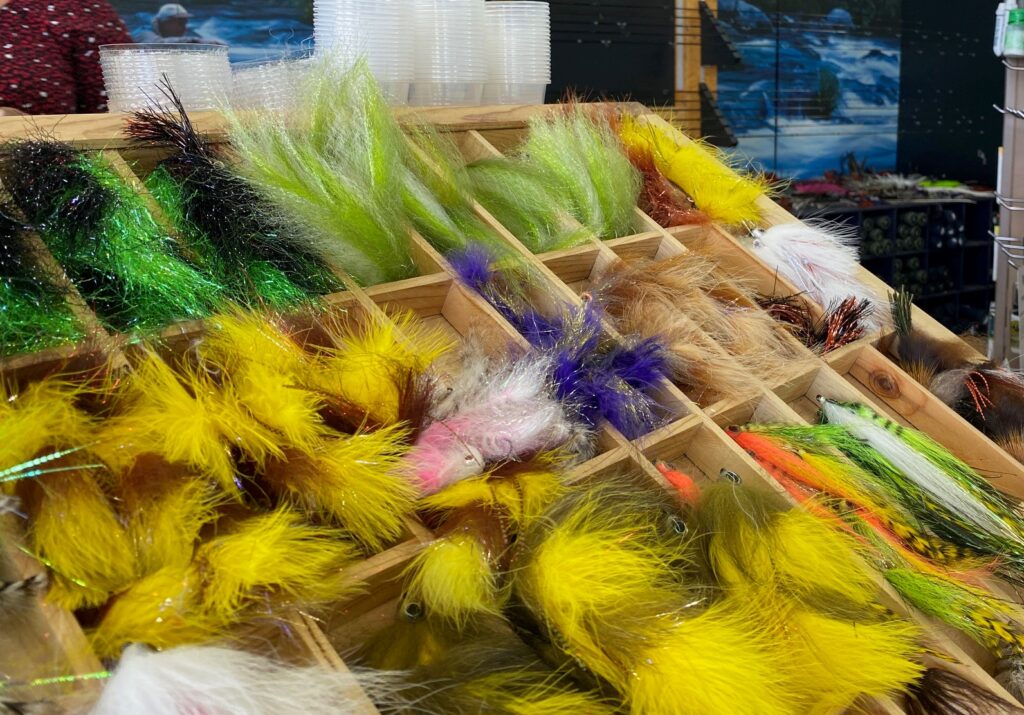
518 47
440 94
134 75
450 42
378 30
269 84
514 93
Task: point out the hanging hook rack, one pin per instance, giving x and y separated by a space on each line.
1009 203
1012 111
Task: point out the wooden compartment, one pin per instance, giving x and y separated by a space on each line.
961 654
691 438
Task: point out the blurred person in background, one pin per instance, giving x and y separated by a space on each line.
170 25
50 56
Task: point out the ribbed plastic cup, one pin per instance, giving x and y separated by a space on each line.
449 38
443 94
133 75
514 93
518 52
378 30
269 84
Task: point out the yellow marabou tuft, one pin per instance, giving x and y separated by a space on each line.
370 363
718 662
165 528
189 421
77 534
453 579
698 169
41 416
358 481
522 497
278 552
268 371
834 662
161 611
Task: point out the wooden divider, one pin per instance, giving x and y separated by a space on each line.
691 437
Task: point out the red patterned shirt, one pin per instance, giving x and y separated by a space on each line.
50 57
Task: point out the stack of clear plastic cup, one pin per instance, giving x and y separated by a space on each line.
379 30
518 52
134 74
269 84
451 61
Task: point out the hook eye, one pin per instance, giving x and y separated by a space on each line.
731 476
413 611
678 525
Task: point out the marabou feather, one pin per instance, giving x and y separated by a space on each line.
660 198
332 168
840 660
213 679
512 417
164 511
276 552
688 298
453 578
714 662
600 572
822 600
521 495
754 545
821 260
161 610
700 170
371 361
42 415
268 373
75 531
189 420
357 481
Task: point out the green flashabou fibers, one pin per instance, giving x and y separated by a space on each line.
234 232
104 236
34 314
249 279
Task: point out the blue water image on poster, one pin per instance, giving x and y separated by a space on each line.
254 30
814 87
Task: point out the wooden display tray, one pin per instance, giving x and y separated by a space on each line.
691 439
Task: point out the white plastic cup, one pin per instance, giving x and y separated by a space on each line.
514 93
134 75
518 52
269 84
378 30
442 94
